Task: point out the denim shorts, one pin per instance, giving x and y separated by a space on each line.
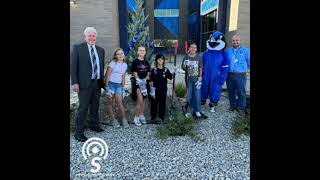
115 87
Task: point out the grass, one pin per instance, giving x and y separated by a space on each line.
178 126
241 126
180 90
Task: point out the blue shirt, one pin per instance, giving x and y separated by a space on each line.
239 59
97 61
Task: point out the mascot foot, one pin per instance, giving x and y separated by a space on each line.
212 105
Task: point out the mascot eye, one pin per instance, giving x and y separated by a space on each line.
220 37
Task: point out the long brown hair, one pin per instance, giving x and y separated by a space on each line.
114 58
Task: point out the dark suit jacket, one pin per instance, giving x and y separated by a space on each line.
81 68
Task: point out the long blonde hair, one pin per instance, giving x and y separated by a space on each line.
114 58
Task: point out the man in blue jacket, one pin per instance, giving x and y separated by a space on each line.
239 58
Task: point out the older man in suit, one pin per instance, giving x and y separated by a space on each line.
87 67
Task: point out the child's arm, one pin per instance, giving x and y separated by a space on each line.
183 66
151 79
200 69
134 70
109 71
168 74
123 79
200 74
135 75
148 76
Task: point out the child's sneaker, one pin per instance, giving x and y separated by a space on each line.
212 109
115 124
198 114
136 121
142 119
188 115
125 124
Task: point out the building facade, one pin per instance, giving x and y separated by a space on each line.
180 20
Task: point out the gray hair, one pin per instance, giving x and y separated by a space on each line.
90 29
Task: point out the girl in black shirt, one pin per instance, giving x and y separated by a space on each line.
158 77
140 69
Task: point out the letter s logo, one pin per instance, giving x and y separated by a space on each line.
97 165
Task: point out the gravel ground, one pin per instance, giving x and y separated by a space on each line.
136 153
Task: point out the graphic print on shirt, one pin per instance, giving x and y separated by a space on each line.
193 68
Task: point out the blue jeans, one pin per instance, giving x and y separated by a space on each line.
116 87
236 85
193 97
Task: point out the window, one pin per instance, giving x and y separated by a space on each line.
208 25
166 13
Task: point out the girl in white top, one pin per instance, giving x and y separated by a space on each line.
115 82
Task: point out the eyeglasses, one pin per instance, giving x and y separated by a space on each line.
119 54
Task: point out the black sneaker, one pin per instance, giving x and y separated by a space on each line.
242 113
152 121
203 115
81 138
97 129
232 109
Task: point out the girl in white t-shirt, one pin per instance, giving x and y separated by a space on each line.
115 82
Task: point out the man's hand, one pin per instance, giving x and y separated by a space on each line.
75 88
200 79
104 80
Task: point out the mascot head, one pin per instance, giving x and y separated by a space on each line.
216 41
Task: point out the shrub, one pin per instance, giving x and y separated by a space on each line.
241 125
178 126
180 90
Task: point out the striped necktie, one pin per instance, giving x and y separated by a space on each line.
94 62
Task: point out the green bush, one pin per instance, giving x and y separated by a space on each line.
241 125
178 126
180 90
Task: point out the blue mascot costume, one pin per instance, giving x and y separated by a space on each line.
215 69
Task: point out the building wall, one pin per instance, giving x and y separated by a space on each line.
243 24
101 14
183 24
149 7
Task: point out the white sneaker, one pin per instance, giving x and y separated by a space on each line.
136 121
125 124
188 115
142 119
198 114
115 123
212 109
